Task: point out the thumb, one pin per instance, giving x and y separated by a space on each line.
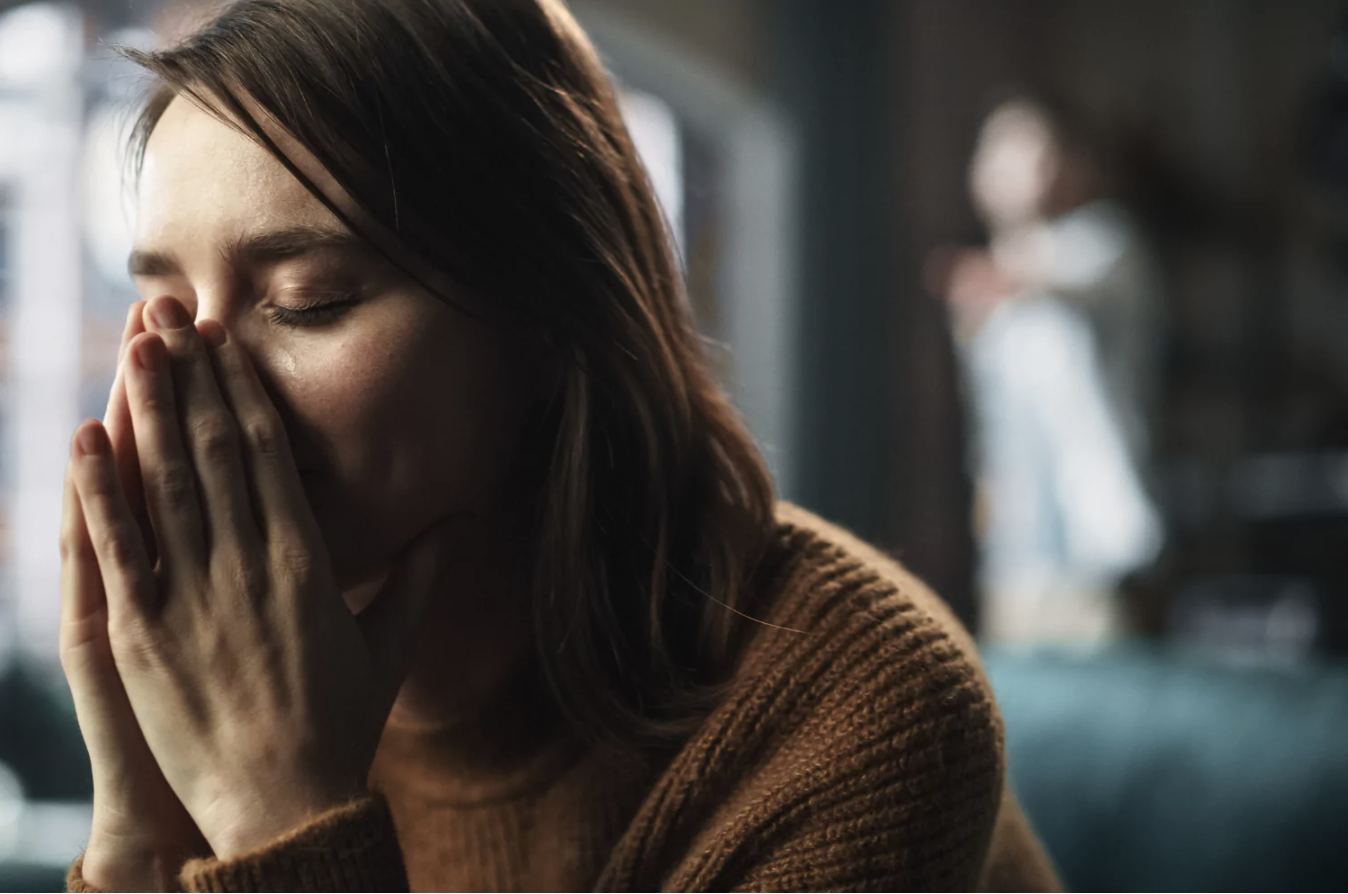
391 619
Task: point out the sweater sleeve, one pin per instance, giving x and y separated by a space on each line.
350 848
75 883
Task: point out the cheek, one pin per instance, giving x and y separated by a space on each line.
408 429
461 409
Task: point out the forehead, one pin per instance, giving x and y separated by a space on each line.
1017 123
203 179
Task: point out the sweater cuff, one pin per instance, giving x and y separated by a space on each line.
349 848
75 882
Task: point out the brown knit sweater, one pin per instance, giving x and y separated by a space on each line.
864 753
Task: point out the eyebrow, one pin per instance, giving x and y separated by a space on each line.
255 249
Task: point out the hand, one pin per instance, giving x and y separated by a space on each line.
972 284
141 834
1024 255
260 696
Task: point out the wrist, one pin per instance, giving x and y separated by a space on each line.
253 829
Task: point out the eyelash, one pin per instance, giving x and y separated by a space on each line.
318 313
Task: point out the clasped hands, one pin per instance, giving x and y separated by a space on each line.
225 691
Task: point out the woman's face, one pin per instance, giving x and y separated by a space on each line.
401 410
1014 166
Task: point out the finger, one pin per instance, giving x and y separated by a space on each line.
128 582
122 435
282 509
396 612
117 420
166 472
83 618
117 416
101 706
135 325
209 432
116 409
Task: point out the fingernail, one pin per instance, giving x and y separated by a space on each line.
149 354
167 313
89 440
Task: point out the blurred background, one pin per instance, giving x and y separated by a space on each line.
1047 298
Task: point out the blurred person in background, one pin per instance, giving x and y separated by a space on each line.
418 544
1057 319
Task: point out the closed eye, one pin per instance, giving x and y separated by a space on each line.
319 312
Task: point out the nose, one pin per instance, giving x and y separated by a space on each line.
201 309
273 367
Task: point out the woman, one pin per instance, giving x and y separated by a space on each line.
1058 318
431 552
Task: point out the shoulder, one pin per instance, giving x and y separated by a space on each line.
857 745
826 559
868 624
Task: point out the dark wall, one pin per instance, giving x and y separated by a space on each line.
880 439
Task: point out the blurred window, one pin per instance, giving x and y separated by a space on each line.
655 133
42 101
4 247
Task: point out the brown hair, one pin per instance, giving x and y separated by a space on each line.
485 135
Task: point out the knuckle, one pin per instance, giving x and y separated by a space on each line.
263 434
294 559
69 545
118 546
214 438
160 404
250 581
72 662
131 644
124 630
175 486
85 652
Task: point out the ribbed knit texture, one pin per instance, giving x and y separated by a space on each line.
857 748
352 848
75 882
